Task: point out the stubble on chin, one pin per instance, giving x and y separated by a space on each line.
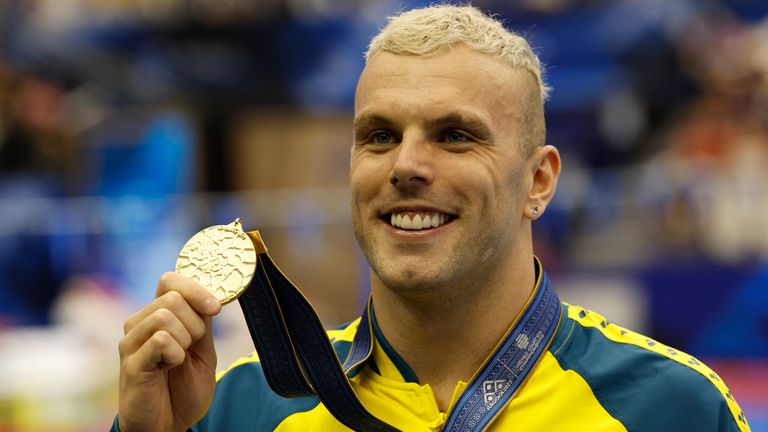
419 280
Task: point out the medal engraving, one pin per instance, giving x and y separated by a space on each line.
221 258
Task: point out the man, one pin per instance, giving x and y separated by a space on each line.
449 167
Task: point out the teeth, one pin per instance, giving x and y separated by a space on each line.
426 222
416 224
406 222
418 221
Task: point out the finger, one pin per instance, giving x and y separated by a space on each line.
161 319
160 350
202 300
173 291
204 348
174 302
190 318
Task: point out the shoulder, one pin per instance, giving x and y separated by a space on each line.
341 338
643 383
243 401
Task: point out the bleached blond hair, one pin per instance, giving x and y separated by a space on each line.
429 30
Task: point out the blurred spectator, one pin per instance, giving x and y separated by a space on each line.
36 161
34 138
718 151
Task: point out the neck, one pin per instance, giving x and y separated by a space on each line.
464 328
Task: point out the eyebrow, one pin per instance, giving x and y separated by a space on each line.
365 120
453 118
460 119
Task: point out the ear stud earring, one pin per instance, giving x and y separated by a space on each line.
534 211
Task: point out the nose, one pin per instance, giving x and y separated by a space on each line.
413 165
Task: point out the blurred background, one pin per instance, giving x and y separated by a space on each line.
128 125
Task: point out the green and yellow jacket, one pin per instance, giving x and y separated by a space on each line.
593 376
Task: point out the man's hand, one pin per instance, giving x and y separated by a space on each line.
167 359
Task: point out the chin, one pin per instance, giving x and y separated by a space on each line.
412 281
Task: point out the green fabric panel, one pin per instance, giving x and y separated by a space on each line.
243 401
561 334
644 390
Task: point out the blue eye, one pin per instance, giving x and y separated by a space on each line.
455 136
381 137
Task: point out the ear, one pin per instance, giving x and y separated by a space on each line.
545 170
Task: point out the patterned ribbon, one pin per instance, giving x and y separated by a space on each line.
298 359
506 369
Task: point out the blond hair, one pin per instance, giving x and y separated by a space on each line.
431 29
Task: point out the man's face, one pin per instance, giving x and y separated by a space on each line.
438 178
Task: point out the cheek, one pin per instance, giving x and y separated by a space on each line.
491 181
515 186
363 186
359 187
367 174
504 187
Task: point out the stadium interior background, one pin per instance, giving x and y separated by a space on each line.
128 125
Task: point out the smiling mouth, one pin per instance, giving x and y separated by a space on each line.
415 221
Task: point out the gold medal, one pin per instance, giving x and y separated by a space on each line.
221 258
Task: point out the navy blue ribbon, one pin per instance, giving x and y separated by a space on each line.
294 350
498 380
298 359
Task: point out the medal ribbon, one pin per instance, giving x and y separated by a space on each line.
294 350
498 380
298 359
